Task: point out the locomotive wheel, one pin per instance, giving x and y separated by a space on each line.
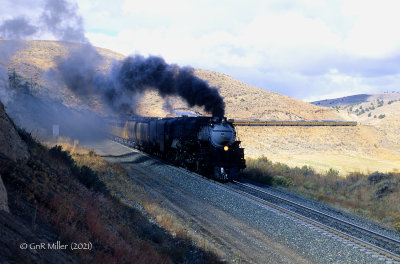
220 174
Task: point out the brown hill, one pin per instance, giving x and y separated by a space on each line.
372 146
242 100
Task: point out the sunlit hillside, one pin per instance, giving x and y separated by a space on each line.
374 145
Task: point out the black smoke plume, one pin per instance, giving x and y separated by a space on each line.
137 74
120 86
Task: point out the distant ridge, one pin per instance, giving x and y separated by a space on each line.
343 101
358 99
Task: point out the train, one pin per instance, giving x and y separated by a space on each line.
256 122
206 145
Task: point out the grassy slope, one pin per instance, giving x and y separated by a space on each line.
52 192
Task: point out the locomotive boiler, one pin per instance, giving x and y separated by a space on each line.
206 145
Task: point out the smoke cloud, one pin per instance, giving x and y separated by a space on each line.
60 18
121 86
17 28
127 79
5 94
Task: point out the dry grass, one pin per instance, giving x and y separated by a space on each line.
123 187
374 196
52 180
346 149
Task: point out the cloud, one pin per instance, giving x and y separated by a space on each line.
259 42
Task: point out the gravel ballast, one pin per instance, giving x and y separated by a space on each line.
309 242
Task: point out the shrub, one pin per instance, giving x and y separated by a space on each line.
307 171
282 181
376 177
91 180
397 226
26 136
383 189
64 156
333 174
84 174
381 116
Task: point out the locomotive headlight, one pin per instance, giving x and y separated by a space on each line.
226 148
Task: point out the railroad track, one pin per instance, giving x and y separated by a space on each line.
372 242
383 246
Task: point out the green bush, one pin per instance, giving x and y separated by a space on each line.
381 116
282 181
397 226
91 180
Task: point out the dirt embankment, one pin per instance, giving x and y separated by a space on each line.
11 144
12 147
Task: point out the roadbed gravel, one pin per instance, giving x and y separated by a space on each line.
239 229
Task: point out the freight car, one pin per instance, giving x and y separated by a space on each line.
202 144
257 122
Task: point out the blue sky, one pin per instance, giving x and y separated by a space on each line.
306 49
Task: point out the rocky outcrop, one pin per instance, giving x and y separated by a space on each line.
11 145
3 197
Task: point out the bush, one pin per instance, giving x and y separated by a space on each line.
282 181
84 174
91 180
61 155
381 116
307 171
397 226
383 189
376 177
26 137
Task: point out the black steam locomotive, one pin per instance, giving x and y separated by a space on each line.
202 144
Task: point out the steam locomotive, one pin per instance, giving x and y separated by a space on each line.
206 145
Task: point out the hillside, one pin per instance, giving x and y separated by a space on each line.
51 198
372 146
242 101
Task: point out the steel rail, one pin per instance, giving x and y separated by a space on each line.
364 244
394 256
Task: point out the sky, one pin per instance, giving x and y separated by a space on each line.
306 49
